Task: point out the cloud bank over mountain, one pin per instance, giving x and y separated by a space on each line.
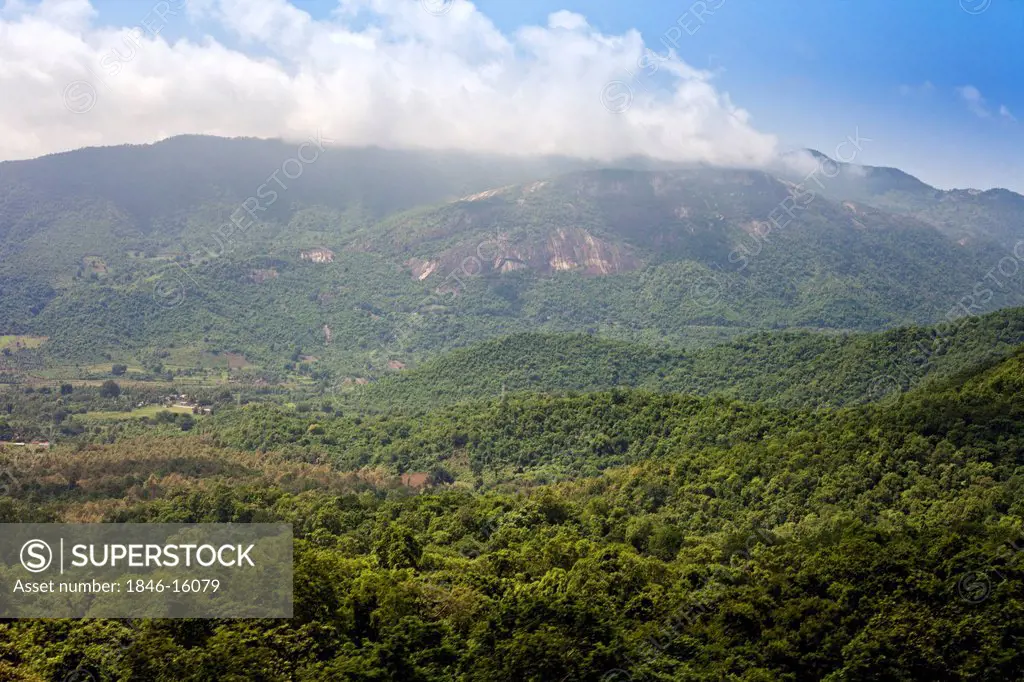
395 73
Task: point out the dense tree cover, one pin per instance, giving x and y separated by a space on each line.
781 368
96 260
717 247
959 213
774 368
841 506
86 413
186 187
747 543
111 269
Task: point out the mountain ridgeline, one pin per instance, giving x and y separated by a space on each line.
371 259
786 369
529 419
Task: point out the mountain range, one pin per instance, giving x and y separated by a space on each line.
332 263
527 419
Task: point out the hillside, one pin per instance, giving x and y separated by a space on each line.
778 368
678 537
116 215
960 214
370 260
524 342
743 225
159 196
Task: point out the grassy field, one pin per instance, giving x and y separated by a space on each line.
148 411
14 342
104 367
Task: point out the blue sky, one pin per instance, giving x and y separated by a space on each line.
936 85
812 72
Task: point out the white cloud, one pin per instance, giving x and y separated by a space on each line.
803 162
975 102
799 161
1006 114
384 72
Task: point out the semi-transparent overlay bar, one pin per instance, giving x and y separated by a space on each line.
145 570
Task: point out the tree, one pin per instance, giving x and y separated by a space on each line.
396 546
66 389
441 476
110 389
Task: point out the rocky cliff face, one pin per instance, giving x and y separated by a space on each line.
568 249
420 268
608 222
318 255
563 249
541 227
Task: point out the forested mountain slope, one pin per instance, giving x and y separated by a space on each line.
779 368
728 540
373 258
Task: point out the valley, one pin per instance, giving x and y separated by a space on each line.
677 259
529 419
459 341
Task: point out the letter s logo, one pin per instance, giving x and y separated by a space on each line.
36 556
